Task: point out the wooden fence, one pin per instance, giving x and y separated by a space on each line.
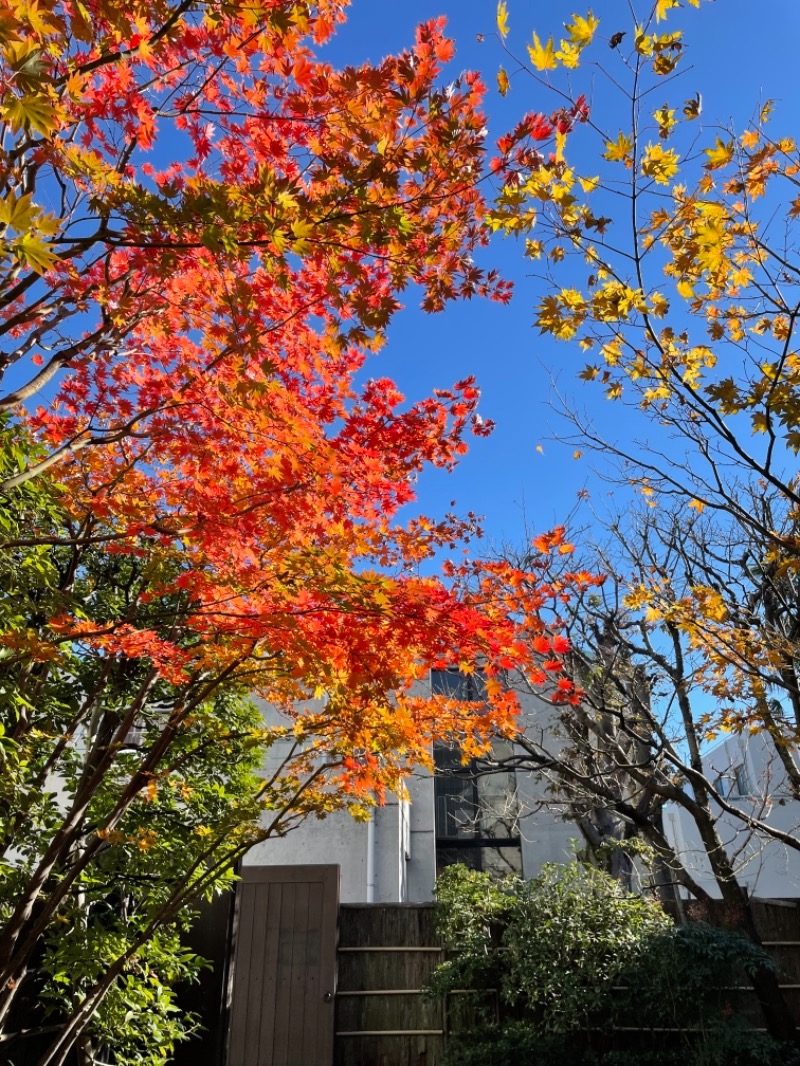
386 953
778 925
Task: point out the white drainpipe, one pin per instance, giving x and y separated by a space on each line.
371 864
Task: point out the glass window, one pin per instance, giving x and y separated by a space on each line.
734 782
476 813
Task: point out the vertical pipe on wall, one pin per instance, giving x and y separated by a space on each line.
371 861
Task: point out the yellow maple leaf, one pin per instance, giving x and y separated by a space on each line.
502 19
569 55
663 6
642 42
542 56
502 81
665 117
619 151
17 212
660 164
34 253
720 155
34 112
582 29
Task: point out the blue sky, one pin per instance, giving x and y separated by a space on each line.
739 55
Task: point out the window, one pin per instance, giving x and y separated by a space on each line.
477 814
733 782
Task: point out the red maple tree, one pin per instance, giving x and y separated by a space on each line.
206 233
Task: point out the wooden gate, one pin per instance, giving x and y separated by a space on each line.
284 968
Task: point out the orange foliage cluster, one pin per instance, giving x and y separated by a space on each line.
237 222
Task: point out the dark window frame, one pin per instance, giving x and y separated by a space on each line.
467 847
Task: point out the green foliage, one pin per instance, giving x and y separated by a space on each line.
143 803
572 932
577 963
138 1021
470 908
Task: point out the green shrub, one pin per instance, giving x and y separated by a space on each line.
571 968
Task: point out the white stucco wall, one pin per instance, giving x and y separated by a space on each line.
402 835
768 868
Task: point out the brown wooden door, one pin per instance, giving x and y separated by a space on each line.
284 966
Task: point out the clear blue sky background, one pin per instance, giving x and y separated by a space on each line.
740 53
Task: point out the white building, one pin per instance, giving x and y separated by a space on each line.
747 772
500 821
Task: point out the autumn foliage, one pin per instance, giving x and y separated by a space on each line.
197 323
206 231
688 316
666 250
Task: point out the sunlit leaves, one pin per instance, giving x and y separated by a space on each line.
706 239
580 33
665 117
619 151
29 113
720 155
582 29
542 56
659 163
663 6
209 316
34 253
502 19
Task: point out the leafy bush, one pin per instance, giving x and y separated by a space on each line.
565 967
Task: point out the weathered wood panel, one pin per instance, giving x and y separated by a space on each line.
379 1012
281 1011
366 970
384 1028
409 1050
777 921
377 925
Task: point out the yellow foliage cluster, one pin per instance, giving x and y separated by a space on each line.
701 242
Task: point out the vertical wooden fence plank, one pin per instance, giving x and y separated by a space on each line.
241 976
269 988
259 894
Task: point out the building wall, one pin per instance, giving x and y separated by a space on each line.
392 859
767 868
547 835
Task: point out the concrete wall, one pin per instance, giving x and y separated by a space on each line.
401 837
390 859
547 836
